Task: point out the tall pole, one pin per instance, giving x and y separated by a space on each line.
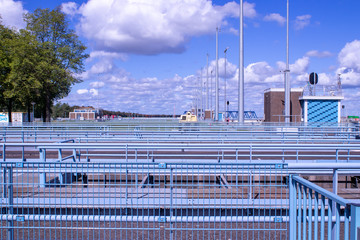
225 82
217 77
201 93
207 81
241 66
211 94
287 70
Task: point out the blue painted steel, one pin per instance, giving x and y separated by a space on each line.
355 222
323 111
176 200
330 211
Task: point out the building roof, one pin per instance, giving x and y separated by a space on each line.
282 90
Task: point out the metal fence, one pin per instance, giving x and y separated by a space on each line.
316 213
144 201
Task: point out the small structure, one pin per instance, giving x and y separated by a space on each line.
321 108
274 105
84 113
16 117
187 118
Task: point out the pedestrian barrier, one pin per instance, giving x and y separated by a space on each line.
144 201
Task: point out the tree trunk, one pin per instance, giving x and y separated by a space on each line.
9 107
29 111
43 115
48 109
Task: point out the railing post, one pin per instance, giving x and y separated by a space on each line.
4 153
355 222
292 212
10 222
42 177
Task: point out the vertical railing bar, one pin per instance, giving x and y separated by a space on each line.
304 217
337 227
346 224
316 213
310 215
322 214
330 217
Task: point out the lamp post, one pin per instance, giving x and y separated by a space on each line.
225 83
287 70
211 94
217 77
207 81
241 66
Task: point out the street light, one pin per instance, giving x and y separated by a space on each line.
217 77
225 83
241 66
211 93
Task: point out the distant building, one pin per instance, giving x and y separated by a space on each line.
16 117
84 113
274 105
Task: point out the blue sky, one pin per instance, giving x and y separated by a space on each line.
149 56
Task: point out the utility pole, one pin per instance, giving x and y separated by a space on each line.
241 66
217 77
225 82
207 81
287 70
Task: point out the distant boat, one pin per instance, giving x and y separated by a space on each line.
188 117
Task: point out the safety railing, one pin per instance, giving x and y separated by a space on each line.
219 132
144 201
175 152
100 149
316 213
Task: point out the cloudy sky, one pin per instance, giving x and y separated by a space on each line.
151 56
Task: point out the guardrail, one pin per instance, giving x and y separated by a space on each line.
316 212
168 201
249 152
144 201
57 132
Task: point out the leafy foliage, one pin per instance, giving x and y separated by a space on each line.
39 64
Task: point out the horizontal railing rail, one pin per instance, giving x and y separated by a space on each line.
150 200
315 212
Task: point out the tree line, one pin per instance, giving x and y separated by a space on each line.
62 110
39 64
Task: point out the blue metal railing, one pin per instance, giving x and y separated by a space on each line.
148 201
316 213
168 200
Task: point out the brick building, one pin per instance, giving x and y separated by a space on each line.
274 105
84 113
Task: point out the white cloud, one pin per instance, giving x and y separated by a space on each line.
234 31
97 84
101 67
275 17
82 91
152 27
302 21
349 56
12 13
230 68
300 66
349 77
318 54
70 8
107 55
94 92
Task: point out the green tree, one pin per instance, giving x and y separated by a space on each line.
6 57
61 110
23 77
61 56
